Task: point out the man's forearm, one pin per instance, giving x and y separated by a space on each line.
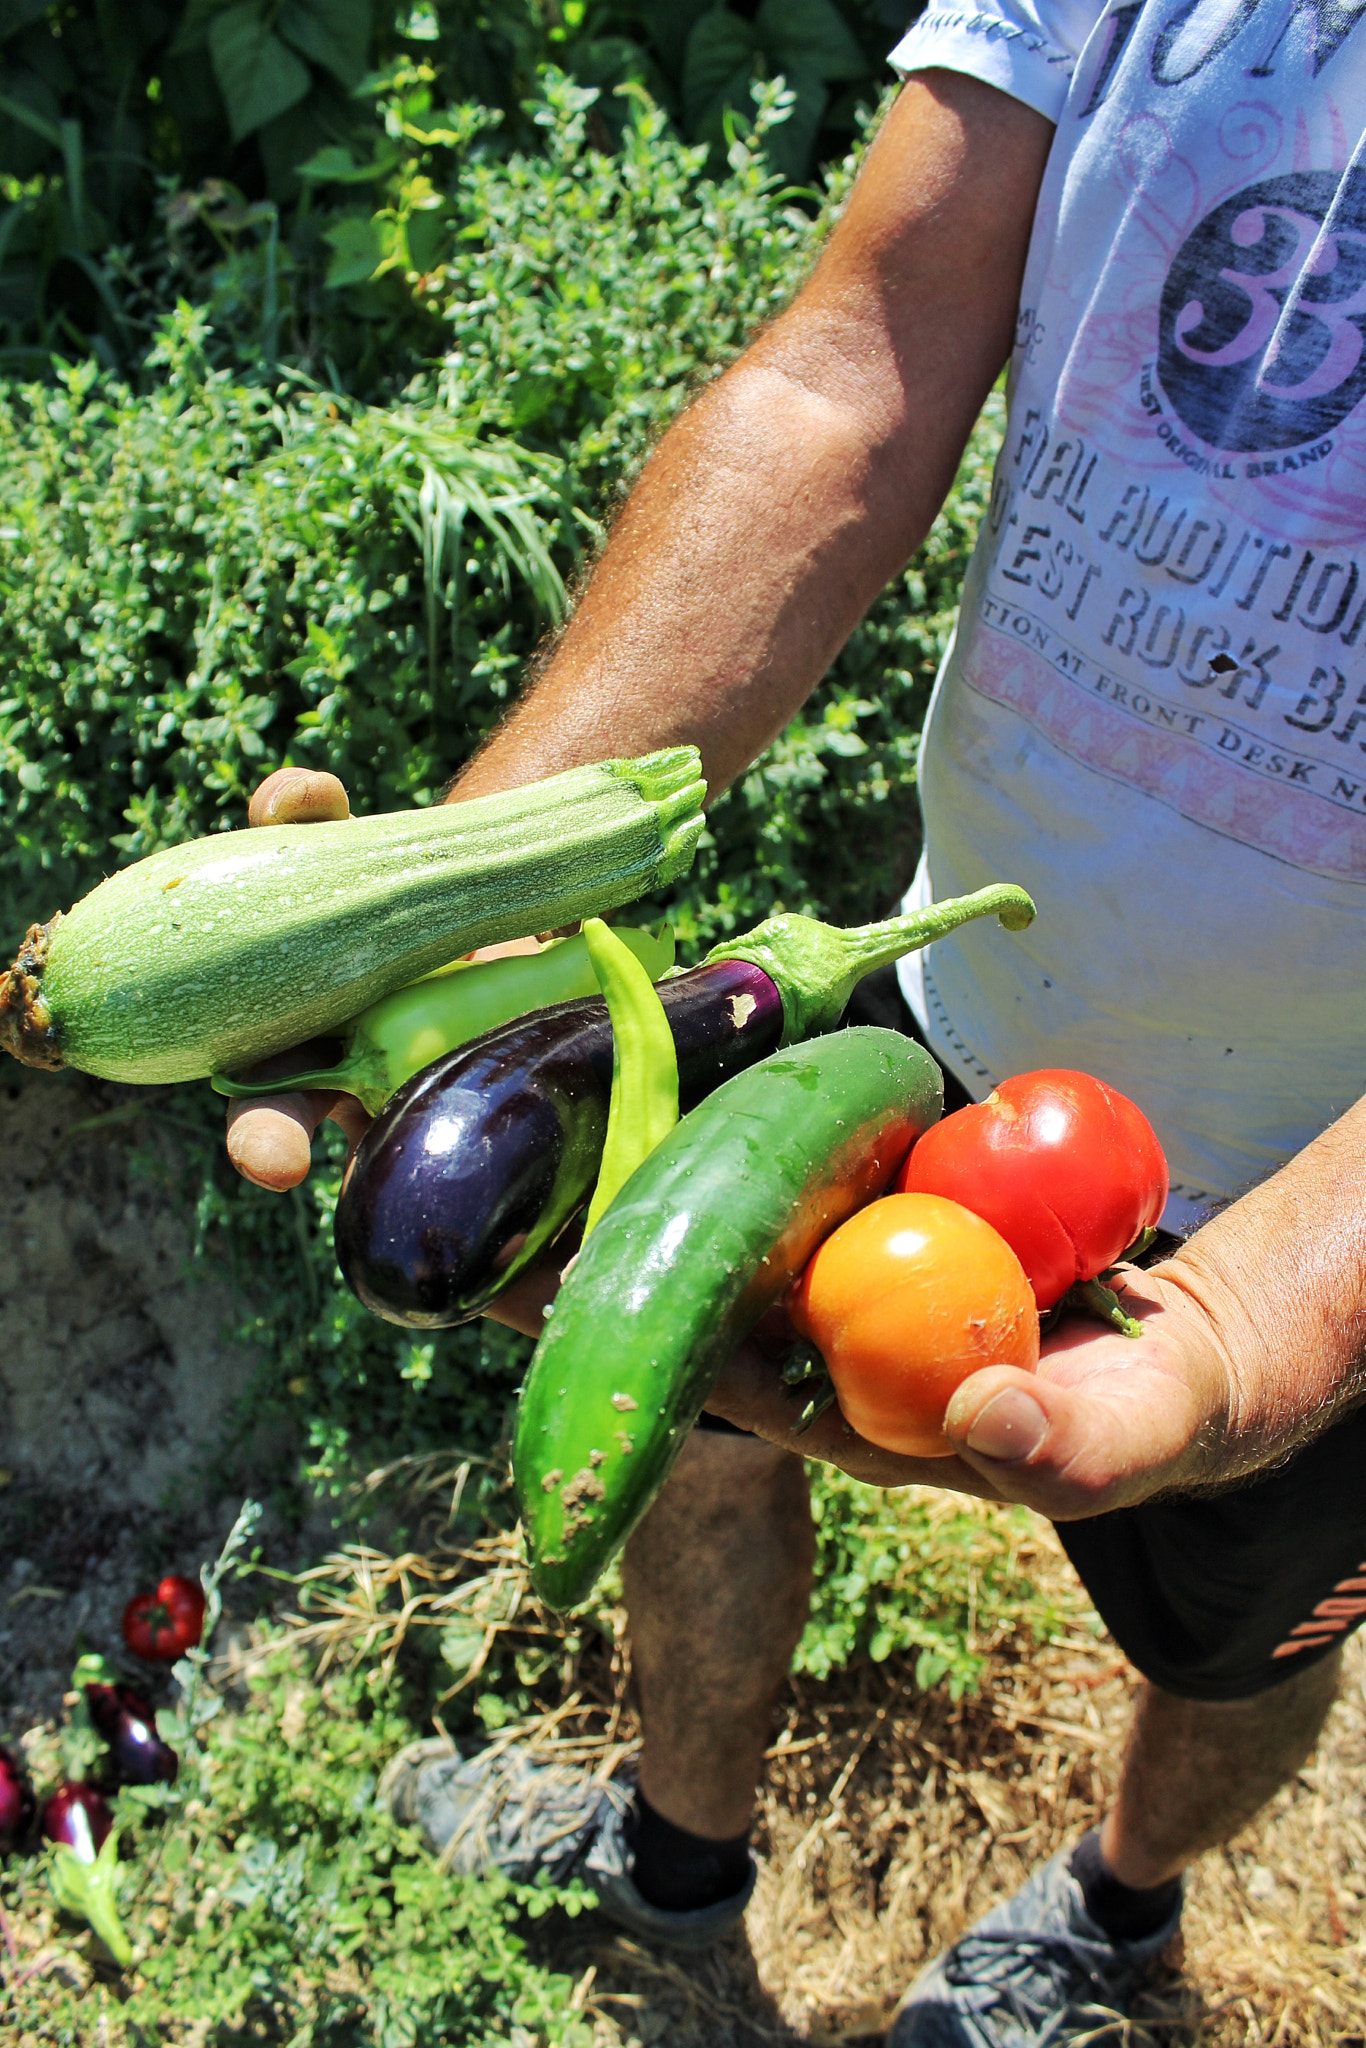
785 497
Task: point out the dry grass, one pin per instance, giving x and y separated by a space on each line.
892 1818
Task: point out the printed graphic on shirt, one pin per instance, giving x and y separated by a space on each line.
1172 587
1263 319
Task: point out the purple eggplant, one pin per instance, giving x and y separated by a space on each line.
16 1800
127 1722
477 1163
79 1816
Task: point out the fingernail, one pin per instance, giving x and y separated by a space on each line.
1010 1428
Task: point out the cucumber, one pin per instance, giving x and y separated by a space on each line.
213 955
705 1236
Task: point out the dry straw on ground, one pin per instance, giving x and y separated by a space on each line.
891 1818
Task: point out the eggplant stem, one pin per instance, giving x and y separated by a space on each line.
817 966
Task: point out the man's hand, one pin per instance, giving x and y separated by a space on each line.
1254 1341
1105 1421
270 1138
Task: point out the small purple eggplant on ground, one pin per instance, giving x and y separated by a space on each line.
16 1800
127 1722
78 1817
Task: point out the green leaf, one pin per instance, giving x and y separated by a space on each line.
717 67
193 32
335 165
669 23
90 1891
810 38
17 111
334 33
257 76
789 145
357 246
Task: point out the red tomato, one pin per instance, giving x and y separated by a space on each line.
162 1626
907 1298
1068 1170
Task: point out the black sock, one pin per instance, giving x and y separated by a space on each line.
1125 1912
679 1872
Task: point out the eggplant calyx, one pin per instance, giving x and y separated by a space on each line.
817 966
26 1026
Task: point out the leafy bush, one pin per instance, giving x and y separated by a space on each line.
271 1897
149 144
916 1570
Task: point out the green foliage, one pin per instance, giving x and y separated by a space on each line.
193 145
270 1893
197 583
917 1570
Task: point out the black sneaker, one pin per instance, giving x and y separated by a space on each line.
1033 1973
497 1810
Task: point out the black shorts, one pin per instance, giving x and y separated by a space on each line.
1213 1596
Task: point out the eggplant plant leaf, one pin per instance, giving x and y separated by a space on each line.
334 33
809 38
91 1892
717 68
258 77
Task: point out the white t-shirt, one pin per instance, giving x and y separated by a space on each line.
1154 714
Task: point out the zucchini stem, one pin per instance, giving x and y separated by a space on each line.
817 966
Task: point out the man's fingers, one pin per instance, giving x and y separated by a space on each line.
750 1393
1070 1451
270 1138
298 796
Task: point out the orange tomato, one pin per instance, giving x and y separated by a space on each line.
904 1301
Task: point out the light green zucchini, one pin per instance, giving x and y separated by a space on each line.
209 956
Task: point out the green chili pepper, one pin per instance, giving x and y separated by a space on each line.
644 1103
405 1031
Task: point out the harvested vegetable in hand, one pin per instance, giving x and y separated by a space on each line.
817 966
210 956
904 1301
404 1032
644 1102
702 1240
478 1163
1067 1170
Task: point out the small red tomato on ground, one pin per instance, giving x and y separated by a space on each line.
162 1626
1067 1170
79 1816
16 1799
904 1301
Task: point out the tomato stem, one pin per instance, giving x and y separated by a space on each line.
1093 1297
